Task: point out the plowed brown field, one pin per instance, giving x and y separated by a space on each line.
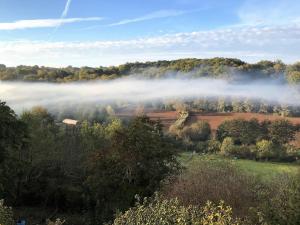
214 119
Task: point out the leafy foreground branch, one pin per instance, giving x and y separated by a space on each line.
6 214
159 211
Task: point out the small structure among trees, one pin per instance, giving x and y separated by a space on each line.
71 122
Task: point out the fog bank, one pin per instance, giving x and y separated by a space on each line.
21 95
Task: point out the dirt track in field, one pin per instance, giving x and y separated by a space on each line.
214 119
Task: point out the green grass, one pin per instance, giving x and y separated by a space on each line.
264 170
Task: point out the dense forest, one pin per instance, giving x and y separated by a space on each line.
191 68
131 172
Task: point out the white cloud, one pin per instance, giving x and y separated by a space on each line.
42 23
248 43
151 16
269 12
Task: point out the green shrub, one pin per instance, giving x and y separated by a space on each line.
242 132
292 153
227 147
213 146
214 180
217 215
199 131
202 146
243 152
281 131
282 204
56 222
163 212
6 214
266 150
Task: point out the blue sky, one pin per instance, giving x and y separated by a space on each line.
97 32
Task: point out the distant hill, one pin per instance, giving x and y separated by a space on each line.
225 68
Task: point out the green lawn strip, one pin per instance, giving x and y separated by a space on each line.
265 170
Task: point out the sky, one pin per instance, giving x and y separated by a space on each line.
101 33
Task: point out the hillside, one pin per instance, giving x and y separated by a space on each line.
185 68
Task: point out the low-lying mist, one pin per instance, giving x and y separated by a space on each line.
21 95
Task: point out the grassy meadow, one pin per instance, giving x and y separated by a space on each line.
264 170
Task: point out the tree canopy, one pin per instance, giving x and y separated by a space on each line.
215 67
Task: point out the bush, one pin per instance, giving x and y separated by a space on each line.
267 150
174 131
213 146
243 152
56 222
163 212
282 204
202 146
292 153
214 181
199 131
227 147
281 132
241 131
6 214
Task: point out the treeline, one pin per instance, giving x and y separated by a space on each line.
261 141
190 68
225 105
93 170
104 112
246 139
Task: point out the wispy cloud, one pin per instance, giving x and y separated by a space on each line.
153 15
248 43
43 23
66 10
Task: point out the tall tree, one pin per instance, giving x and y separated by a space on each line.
138 159
281 131
13 145
12 131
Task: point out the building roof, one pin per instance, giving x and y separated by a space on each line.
70 122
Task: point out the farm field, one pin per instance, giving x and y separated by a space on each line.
215 119
264 170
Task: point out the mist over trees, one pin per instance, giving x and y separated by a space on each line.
232 70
